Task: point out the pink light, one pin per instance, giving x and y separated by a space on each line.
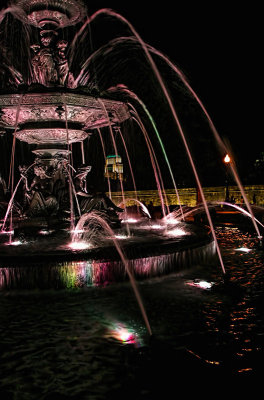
124 335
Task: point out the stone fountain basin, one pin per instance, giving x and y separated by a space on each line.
35 243
47 262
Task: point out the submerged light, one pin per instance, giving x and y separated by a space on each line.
123 334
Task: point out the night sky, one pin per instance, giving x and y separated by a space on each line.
218 47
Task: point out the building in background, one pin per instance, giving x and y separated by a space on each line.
114 167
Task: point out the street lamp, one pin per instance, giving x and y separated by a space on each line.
227 161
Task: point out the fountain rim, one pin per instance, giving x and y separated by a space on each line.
157 247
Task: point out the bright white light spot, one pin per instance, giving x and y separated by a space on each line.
157 226
205 285
244 249
201 284
176 232
6 232
79 245
15 243
130 220
123 334
77 231
45 232
121 237
170 220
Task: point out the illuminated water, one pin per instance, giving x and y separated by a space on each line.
92 343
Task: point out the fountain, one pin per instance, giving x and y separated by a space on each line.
52 108
81 135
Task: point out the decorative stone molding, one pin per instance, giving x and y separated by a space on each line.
51 136
86 111
41 12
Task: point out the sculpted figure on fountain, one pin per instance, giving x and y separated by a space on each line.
49 63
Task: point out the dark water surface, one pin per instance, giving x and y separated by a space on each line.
91 343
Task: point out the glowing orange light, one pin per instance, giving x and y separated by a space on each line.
227 159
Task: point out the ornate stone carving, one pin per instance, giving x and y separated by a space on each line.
42 12
81 109
42 136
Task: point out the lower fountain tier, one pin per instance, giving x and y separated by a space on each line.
58 117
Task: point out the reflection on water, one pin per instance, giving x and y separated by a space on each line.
81 274
93 344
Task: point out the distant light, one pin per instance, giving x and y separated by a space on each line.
79 245
227 159
244 249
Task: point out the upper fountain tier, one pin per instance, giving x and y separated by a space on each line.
55 13
58 117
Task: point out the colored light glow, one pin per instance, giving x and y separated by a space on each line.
243 249
123 334
79 245
176 232
6 232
